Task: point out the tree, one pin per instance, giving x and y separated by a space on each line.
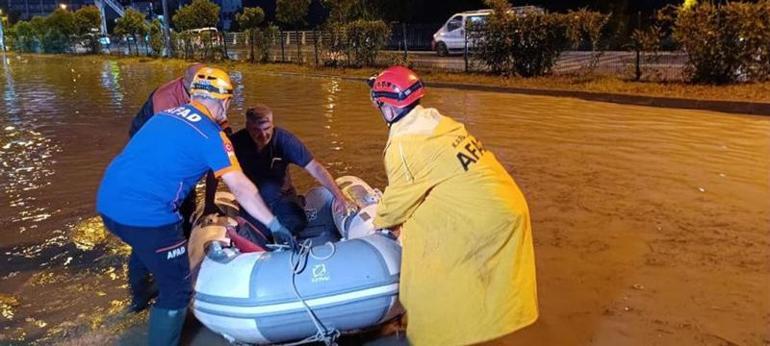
24 36
38 26
725 43
341 11
250 20
364 39
584 26
156 37
353 32
131 24
198 14
528 45
292 13
87 21
62 21
57 29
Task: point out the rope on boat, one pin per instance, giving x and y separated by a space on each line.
298 261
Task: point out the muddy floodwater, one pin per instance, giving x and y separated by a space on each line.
651 225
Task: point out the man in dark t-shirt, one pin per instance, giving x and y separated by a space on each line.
264 153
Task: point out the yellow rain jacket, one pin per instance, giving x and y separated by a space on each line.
468 266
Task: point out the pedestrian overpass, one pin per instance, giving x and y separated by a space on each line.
115 6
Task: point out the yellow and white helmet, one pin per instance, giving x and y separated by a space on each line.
213 83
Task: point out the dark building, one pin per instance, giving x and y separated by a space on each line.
26 9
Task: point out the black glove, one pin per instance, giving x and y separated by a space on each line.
281 235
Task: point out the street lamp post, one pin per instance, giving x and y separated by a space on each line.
63 6
2 33
166 31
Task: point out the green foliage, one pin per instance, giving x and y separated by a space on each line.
648 39
585 26
24 36
647 43
292 12
39 26
156 37
55 30
251 18
54 42
359 42
525 45
365 39
86 19
265 39
198 14
346 11
726 43
61 21
132 23
528 44
350 35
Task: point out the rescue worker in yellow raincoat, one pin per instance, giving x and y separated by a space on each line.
468 265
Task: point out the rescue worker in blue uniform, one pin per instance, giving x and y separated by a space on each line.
144 185
174 94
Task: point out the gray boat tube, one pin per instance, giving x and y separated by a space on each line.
256 298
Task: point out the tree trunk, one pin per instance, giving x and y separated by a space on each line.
251 40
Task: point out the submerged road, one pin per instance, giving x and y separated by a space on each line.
650 224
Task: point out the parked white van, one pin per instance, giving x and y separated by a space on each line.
450 38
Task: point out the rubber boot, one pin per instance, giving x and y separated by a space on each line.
141 298
166 326
140 283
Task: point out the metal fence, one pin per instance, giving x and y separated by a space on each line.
415 37
408 44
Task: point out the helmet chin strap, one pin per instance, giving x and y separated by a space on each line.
400 113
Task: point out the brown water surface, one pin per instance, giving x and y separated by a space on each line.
651 225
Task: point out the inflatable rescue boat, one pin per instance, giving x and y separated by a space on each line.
326 288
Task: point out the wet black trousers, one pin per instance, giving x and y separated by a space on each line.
162 252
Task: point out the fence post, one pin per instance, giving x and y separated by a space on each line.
465 53
252 41
406 49
283 52
315 45
638 64
299 57
224 46
638 49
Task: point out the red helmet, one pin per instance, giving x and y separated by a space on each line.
397 86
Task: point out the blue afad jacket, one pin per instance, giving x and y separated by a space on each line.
145 184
